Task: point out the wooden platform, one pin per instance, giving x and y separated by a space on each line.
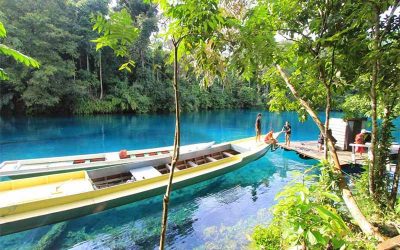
310 149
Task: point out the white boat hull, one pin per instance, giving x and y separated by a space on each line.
60 209
43 166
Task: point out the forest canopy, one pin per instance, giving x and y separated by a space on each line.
75 78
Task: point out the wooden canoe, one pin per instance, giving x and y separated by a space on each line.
44 166
37 201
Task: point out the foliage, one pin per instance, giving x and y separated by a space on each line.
386 219
58 34
247 96
267 238
304 215
118 33
16 55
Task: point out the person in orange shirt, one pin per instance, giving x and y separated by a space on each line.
269 138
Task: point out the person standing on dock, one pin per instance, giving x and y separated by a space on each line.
360 140
258 128
288 131
321 139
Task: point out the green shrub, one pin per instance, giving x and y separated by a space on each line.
268 238
304 215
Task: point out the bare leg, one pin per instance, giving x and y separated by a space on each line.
258 135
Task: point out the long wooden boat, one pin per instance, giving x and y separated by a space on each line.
43 166
32 202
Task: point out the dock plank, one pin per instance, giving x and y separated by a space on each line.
310 149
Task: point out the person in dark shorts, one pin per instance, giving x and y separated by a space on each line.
288 131
258 127
321 141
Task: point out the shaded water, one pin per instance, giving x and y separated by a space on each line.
218 213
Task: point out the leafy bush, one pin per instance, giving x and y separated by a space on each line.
247 97
269 238
304 216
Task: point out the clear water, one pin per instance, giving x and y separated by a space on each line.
218 213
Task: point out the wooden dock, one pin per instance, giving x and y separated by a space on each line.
310 149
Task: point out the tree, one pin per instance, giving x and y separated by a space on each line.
43 29
375 92
192 30
16 55
309 59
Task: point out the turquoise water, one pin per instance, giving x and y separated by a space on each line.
218 213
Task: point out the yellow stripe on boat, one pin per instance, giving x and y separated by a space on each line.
32 202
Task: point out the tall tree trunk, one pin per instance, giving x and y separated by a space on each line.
348 198
101 77
175 156
328 98
374 81
395 186
327 115
87 62
382 152
142 58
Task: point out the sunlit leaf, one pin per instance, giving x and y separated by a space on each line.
3 75
18 56
3 31
311 238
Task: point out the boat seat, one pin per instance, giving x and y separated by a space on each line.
98 179
192 164
97 159
217 156
231 151
180 165
200 160
227 154
210 159
112 181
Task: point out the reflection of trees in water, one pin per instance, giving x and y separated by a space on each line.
254 193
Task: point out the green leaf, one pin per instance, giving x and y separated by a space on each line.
329 215
331 196
3 75
3 32
18 56
311 238
302 196
127 66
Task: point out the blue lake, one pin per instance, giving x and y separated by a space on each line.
219 212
